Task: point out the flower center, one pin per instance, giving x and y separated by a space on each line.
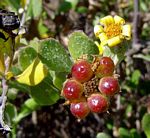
112 30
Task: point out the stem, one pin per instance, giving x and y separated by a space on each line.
8 62
13 132
2 102
3 99
135 23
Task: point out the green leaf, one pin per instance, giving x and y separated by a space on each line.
58 78
44 93
23 42
36 7
128 110
124 133
27 108
12 93
26 57
80 44
15 4
52 53
144 57
42 29
82 9
34 43
117 53
146 124
6 46
19 86
134 133
109 126
10 112
33 74
29 12
65 6
144 5
73 3
103 135
136 77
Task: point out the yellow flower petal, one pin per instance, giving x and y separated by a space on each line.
113 31
126 31
118 20
114 41
98 29
100 47
102 37
107 20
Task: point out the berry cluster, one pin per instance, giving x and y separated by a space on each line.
90 86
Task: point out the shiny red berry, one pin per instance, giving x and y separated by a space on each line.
108 86
72 89
82 71
80 109
105 68
98 103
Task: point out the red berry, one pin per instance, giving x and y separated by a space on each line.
82 71
98 103
80 109
108 86
105 68
72 89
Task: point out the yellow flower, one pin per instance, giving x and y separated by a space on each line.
112 31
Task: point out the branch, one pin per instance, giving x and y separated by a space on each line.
4 127
8 62
135 23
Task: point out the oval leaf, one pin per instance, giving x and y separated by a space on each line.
54 56
10 112
124 133
5 43
102 135
27 108
36 7
116 53
44 93
33 74
146 124
58 78
26 57
2 64
80 44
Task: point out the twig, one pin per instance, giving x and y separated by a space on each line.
135 23
8 62
4 127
